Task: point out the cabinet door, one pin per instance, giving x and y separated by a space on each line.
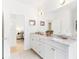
59 54
49 52
41 49
34 44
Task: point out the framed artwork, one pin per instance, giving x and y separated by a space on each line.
32 22
42 23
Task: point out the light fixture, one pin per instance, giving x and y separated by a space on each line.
40 11
62 2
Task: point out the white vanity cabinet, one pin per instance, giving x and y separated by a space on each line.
48 48
45 48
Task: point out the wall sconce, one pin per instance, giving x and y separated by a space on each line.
40 11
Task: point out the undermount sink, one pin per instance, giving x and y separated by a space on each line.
63 36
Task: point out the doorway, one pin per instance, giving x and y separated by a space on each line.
19 28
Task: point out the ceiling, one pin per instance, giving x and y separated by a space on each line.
45 4
32 2
42 2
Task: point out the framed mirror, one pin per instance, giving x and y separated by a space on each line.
32 22
42 23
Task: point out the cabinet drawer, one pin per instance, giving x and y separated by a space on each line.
57 45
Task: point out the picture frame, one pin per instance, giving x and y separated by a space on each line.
42 23
32 22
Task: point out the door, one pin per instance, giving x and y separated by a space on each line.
9 31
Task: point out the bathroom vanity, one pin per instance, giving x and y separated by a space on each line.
53 47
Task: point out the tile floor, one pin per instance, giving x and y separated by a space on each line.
19 53
25 55
19 46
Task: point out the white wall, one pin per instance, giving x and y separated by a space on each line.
19 22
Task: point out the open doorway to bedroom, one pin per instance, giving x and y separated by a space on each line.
19 28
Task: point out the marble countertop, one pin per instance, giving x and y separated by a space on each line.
60 40
68 41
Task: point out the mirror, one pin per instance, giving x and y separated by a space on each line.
32 22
